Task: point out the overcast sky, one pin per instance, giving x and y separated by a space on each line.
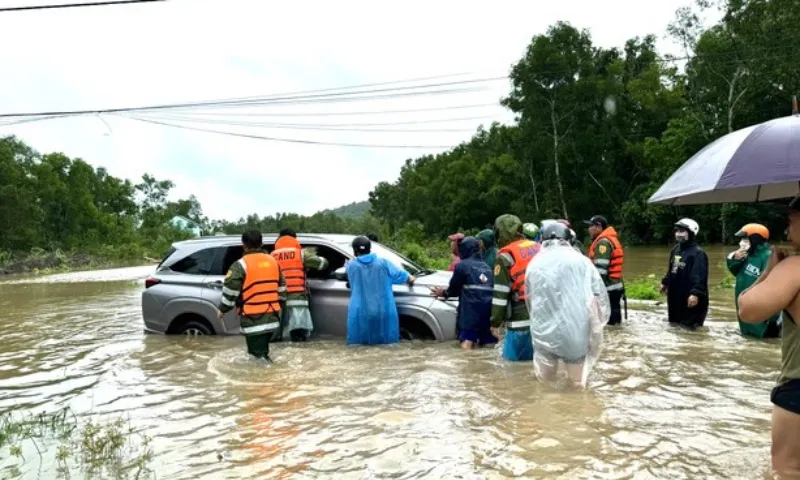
194 50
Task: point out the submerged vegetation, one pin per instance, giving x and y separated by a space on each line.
645 288
71 446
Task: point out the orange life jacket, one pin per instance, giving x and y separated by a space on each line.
522 251
289 255
617 254
259 294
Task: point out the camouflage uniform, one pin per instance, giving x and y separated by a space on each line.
297 322
506 309
257 330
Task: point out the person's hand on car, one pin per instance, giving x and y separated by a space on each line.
438 292
411 279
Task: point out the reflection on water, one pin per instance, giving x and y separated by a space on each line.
663 403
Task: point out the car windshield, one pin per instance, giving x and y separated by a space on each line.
394 257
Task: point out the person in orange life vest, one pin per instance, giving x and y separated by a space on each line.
508 292
297 323
252 286
455 239
608 257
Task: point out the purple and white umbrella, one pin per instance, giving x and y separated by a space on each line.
754 164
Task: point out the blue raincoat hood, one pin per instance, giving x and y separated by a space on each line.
368 258
468 248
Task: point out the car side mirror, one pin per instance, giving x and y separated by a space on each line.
340 274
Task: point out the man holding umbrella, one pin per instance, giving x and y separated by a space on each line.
776 291
755 164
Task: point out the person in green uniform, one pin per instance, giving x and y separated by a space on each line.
486 243
508 293
607 254
747 264
777 290
253 286
295 261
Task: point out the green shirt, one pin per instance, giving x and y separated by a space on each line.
747 270
504 307
231 291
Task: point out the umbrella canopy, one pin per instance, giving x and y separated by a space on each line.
754 164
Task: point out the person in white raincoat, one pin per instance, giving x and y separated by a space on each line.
569 307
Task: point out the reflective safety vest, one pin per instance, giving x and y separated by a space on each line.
259 294
617 254
289 255
522 251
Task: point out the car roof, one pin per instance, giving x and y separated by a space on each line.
226 239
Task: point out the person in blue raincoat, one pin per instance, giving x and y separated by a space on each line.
372 317
472 282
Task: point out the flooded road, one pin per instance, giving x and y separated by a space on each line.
663 403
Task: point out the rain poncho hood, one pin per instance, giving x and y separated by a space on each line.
569 308
372 314
507 228
490 252
469 248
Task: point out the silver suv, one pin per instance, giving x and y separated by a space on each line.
181 297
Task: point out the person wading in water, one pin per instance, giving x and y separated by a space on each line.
778 290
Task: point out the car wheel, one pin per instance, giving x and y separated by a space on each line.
194 328
407 334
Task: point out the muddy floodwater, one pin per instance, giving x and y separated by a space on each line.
663 403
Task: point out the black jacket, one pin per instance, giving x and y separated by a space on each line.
687 274
472 282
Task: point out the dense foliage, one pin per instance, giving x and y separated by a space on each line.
597 131
55 203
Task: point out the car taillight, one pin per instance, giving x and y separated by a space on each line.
150 281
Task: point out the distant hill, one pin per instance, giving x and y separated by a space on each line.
352 210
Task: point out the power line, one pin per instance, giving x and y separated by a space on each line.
336 89
75 5
294 98
332 126
297 126
286 140
359 113
278 100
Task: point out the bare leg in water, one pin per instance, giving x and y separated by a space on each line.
785 443
575 374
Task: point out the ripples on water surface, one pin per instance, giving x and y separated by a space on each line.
662 404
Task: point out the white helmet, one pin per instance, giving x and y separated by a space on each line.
688 224
547 222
